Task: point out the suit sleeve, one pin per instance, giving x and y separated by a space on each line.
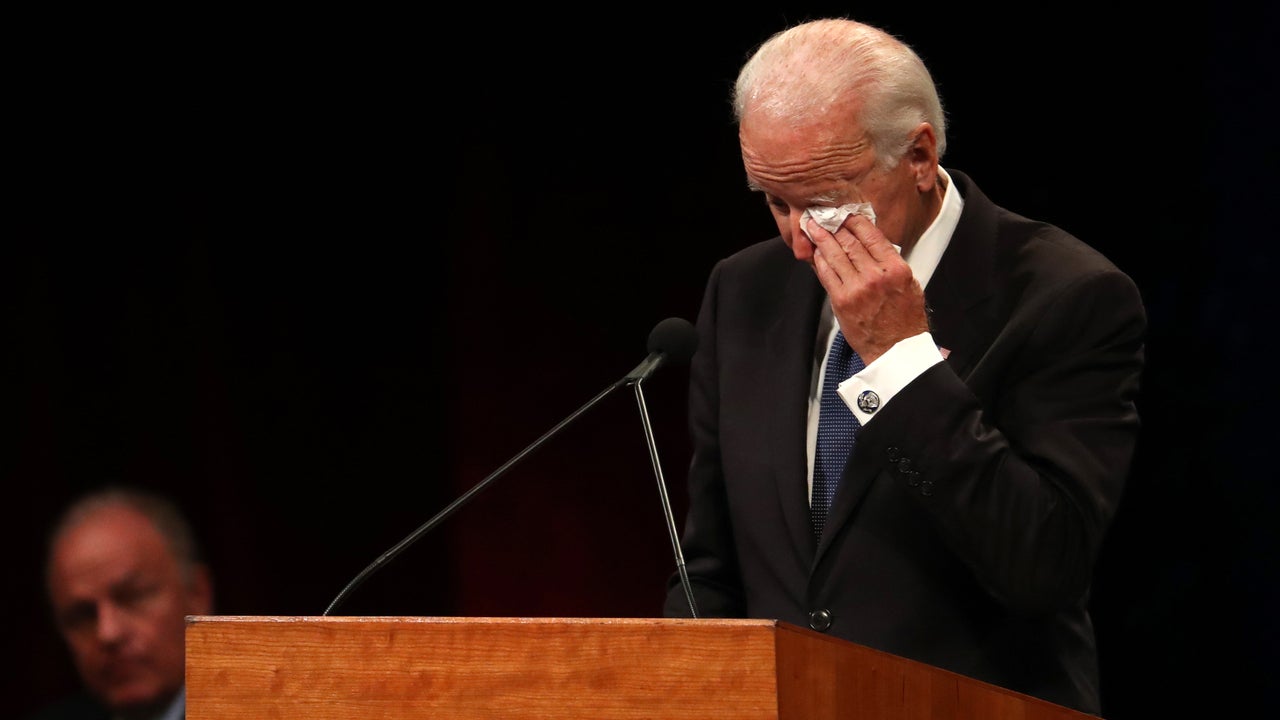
1024 482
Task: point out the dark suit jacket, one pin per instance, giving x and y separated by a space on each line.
966 527
75 707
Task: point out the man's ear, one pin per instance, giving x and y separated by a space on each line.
922 157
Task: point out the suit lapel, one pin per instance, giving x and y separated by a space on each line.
791 342
963 284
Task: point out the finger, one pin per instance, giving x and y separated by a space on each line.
877 246
830 263
836 284
829 247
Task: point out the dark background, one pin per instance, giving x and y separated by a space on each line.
317 276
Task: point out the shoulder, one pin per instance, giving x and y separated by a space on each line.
772 254
1020 246
761 267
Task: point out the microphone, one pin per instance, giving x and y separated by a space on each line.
676 339
672 340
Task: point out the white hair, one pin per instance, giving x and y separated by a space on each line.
809 68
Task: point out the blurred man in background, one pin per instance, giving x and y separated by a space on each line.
123 571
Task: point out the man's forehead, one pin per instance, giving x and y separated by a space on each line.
817 174
833 192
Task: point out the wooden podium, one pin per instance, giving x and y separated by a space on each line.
389 668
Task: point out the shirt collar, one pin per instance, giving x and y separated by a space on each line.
924 256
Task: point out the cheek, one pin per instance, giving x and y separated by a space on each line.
784 229
794 238
790 232
87 656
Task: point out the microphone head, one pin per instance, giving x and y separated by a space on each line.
676 338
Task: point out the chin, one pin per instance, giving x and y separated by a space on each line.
136 697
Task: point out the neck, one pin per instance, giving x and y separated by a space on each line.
930 205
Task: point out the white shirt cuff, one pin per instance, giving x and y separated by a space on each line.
873 387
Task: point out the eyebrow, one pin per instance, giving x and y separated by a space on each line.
828 198
831 197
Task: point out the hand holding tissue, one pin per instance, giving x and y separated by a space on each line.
831 218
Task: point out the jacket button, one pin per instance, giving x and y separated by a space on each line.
820 620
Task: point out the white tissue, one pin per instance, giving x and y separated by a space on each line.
831 218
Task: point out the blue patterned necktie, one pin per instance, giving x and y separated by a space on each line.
836 429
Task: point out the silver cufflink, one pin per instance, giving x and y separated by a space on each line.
868 401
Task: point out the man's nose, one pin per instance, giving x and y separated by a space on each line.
112 622
801 246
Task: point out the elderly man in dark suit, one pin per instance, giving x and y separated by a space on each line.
943 494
